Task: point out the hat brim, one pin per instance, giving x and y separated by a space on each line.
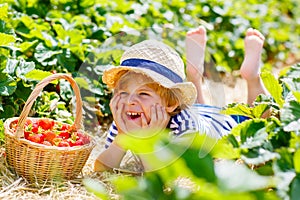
187 89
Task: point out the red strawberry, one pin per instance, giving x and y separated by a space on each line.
46 124
37 138
35 128
85 139
64 134
26 134
65 127
78 142
63 144
49 136
28 121
72 139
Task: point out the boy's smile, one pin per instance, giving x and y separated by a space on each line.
133 115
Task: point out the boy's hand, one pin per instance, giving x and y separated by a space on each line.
159 119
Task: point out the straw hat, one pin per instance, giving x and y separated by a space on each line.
157 61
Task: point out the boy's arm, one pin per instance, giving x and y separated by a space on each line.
109 158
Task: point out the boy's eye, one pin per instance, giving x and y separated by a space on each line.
144 94
122 93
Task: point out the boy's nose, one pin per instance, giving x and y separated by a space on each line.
132 98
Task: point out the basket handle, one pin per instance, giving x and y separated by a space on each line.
39 87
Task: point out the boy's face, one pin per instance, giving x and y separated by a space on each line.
138 101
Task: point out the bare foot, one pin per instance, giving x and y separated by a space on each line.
195 53
254 42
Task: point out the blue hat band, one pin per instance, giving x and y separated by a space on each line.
156 67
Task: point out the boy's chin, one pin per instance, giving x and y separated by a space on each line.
134 127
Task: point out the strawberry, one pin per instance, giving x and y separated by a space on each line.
65 127
26 134
85 139
64 134
46 124
35 128
28 121
78 142
72 139
49 136
63 143
37 138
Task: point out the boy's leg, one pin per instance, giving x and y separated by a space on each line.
250 69
195 53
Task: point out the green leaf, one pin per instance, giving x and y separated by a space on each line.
258 110
153 185
18 68
6 39
3 12
259 156
43 54
248 129
83 82
60 31
124 184
11 66
96 187
295 188
66 91
296 159
273 86
297 95
285 162
23 68
225 148
236 178
8 112
202 167
37 75
26 45
67 60
7 85
256 140
293 84
238 109
290 116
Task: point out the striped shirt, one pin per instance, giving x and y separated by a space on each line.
201 118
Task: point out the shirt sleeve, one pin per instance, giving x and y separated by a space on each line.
211 121
112 133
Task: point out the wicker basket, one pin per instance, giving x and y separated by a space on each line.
37 162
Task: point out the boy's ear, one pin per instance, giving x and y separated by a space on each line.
171 108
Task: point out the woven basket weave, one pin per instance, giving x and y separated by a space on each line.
38 162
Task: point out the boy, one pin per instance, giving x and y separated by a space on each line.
150 92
